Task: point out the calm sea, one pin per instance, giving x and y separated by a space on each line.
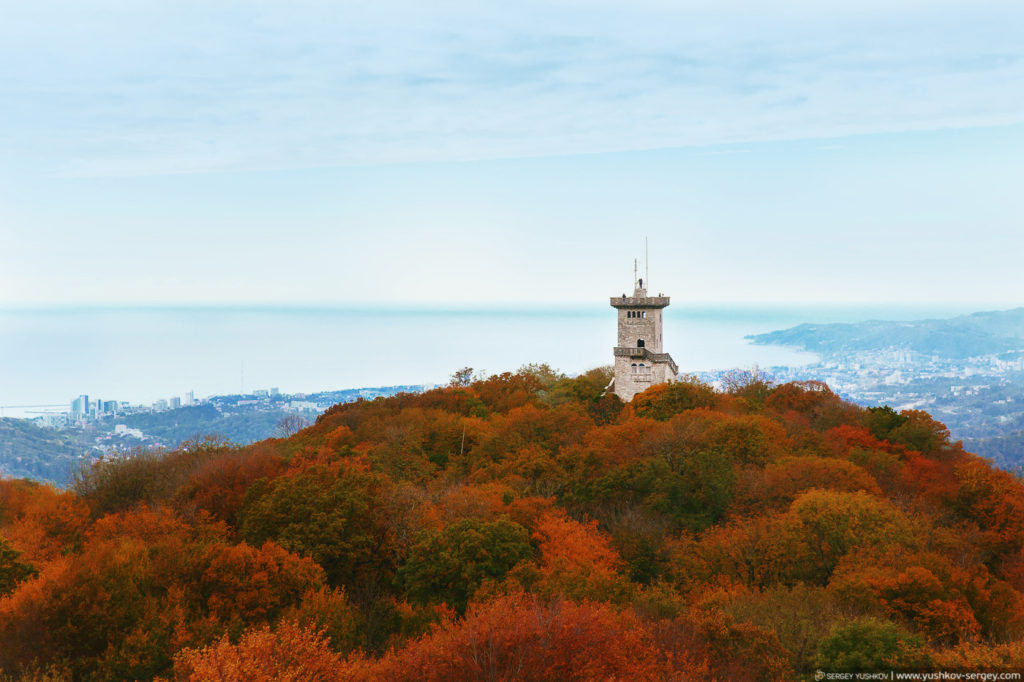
141 354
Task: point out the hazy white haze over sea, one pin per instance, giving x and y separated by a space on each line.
142 354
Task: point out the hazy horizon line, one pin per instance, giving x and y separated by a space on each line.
486 305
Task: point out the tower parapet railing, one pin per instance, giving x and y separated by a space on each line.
639 301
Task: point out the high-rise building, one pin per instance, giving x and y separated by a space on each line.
639 360
80 407
190 398
175 402
274 392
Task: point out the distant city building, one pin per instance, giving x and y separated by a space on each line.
125 430
175 402
80 407
160 405
190 398
262 393
639 360
274 392
109 406
55 421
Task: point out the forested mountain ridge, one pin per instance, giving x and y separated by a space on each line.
53 455
29 451
526 526
983 333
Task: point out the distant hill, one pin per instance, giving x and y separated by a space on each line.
29 451
985 333
1006 451
174 426
42 454
52 456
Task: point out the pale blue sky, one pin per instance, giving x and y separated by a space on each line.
469 151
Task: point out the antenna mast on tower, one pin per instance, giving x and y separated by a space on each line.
634 273
647 265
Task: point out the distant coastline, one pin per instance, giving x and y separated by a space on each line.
967 371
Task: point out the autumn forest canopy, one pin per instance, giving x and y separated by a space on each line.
527 526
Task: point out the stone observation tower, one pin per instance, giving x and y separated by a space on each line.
639 360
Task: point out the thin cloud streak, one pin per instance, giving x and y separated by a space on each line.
145 88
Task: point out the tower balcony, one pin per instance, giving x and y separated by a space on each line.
646 354
639 301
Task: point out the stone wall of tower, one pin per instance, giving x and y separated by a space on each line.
648 328
625 387
628 382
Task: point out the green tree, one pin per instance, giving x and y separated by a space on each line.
12 571
585 388
870 645
882 420
689 488
452 564
920 432
329 514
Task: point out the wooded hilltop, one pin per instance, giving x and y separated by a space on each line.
526 526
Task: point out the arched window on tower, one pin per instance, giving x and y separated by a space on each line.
634 368
639 343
